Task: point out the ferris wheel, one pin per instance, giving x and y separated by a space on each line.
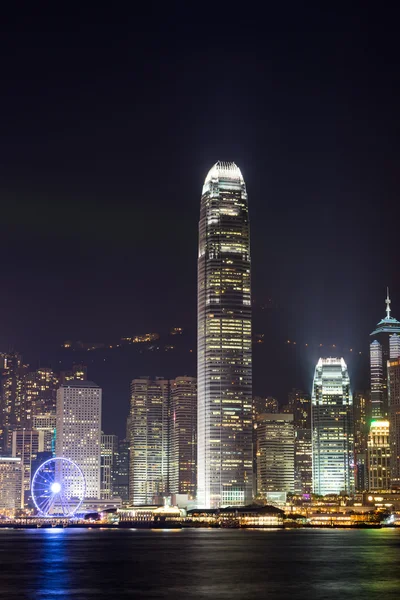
58 488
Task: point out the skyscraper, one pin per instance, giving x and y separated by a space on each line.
13 409
47 423
79 429
10 485
394 418
39 393
148 423
121 487
362 419
224 462
26 445
332 425
275 453
262 405
385 346
183 436
300 405
379 455
108 465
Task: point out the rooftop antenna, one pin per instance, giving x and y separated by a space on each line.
387 304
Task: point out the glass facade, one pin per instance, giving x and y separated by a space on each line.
275 453
224 341
108 465
183 436
148 436
385 346
332 428
379 455
394 418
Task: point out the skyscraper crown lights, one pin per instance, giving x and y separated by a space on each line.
224 170
388 324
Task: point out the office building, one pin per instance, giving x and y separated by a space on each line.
183 436
384 346
78 372
108 466
362 419
299 403
26 444
121 487
302 461
10 485
39 393
46 422
13 407
394 419
224 434
379 455
262 405
332 428
148 436
275 453
79 430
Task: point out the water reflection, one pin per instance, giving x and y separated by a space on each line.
197 564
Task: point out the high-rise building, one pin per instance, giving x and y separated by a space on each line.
224 450
121 487
183 436
148 463
362 419
262 405
275 453
385 346
108 466
26 445
332 428
302 461
78 372
47 423
13 407
39 393
300 405
10 485
379 455
394 418
79 430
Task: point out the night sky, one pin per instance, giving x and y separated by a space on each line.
109 124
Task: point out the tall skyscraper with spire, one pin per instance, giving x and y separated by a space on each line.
224 341
385 346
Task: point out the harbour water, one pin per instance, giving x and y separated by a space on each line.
199 563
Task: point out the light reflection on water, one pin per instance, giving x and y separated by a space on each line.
205 563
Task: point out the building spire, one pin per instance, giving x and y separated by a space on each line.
387 304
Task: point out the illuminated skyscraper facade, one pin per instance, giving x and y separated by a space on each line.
79 430
26 445
183 436
224 461
394 418
385 346
379 455
148 436
108 466
10 484
275 453
332 428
